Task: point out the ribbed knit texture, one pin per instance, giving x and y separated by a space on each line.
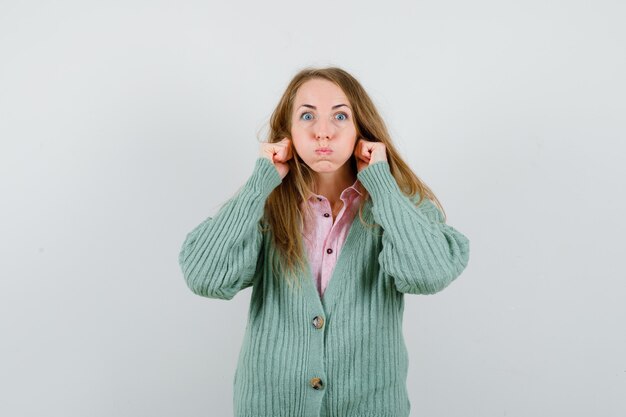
359 352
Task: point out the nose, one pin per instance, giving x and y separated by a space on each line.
322 130
319 135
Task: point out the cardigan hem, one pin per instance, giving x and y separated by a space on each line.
348 415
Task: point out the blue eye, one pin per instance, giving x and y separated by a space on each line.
343 116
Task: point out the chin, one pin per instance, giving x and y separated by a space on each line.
329 163
326 165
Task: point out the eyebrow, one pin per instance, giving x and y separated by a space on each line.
315 108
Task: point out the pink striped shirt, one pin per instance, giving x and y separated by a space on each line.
324 238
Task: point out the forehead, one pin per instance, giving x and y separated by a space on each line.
321 91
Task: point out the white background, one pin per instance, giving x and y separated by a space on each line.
124 124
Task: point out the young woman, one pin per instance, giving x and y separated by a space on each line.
331 230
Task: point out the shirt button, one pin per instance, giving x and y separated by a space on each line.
329 250
318 322
326 214
317 383
319 198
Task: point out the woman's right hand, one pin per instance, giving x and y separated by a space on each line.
279 153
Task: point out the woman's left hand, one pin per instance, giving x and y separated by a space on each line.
367 153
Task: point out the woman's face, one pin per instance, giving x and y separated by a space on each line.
322 118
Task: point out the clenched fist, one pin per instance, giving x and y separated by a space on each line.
279 153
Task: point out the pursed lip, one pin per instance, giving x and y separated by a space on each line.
323 150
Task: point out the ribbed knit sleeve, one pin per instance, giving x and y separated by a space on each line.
420 252
219 257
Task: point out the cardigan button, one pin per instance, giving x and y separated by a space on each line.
326 214
316 383
318 322
329 250
319 198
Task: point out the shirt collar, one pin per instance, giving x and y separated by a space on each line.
356 187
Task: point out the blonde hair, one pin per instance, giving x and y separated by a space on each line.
282 213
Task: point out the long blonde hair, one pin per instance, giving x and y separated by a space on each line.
282 213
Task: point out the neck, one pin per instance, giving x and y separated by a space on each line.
332 184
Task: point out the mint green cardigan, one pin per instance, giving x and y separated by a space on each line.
342 355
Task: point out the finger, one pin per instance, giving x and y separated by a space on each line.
357 148
362 155
283 152
288 145
364 152
276 151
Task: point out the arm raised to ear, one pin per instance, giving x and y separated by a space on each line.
221 255
420 251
